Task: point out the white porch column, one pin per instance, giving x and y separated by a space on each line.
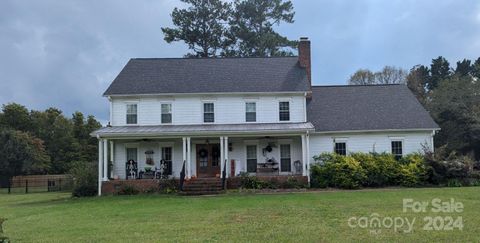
112 159
189 158
222 155
304 155
105 160
307 143
100 158
225 139
184 151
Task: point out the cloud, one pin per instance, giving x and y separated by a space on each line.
66 53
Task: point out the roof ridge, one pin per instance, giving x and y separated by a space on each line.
353 86
204 58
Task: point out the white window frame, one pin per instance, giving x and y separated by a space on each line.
203 111
246 157
250 102
280 156
171 112
161 145
135 146
401 140
289 109
126 112
340 140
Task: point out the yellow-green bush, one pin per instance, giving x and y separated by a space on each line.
368 170
337 171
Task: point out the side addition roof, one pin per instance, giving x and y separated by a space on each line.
369 107
209 75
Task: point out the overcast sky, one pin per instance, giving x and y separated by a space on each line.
65 53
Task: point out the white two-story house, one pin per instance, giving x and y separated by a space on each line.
257 115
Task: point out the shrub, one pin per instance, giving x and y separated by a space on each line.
412 170
293 182
3 238
443 167
475 182
128 190
454 183
337 171
250 182
380 169
168 186
85 178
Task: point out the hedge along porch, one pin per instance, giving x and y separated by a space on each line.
266 154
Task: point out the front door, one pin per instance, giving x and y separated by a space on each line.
208 160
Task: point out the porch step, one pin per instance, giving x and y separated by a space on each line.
202 186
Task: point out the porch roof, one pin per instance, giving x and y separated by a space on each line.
202 129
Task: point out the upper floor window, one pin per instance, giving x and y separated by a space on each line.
250 112
131 113
284 111
340 148
208 112
397 149
166 113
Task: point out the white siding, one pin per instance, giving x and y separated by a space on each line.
238 153
369 142
228 109
120 154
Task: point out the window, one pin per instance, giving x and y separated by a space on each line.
284 111
167 158
132 154
397 149
131 113
341 148
285 158
208 112
250 112
166 113
251 158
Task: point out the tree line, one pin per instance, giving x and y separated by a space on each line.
41 142
451 95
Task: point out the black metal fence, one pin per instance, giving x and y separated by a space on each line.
33 185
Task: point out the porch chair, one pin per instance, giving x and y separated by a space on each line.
161 172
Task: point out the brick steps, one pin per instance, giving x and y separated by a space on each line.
202 186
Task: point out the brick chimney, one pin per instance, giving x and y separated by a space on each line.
304 57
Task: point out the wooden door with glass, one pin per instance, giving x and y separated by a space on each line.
208 160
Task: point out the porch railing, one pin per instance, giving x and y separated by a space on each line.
182 177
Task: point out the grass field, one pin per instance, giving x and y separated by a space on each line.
300 217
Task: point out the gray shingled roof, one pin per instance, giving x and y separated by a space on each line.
209 75
375 107
202 128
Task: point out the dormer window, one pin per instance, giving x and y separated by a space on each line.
284 111
208 112
166 113
131 113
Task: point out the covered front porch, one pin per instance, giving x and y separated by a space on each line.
135 156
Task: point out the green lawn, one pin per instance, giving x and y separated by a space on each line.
300 217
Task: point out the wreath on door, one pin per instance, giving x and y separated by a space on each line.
203 153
